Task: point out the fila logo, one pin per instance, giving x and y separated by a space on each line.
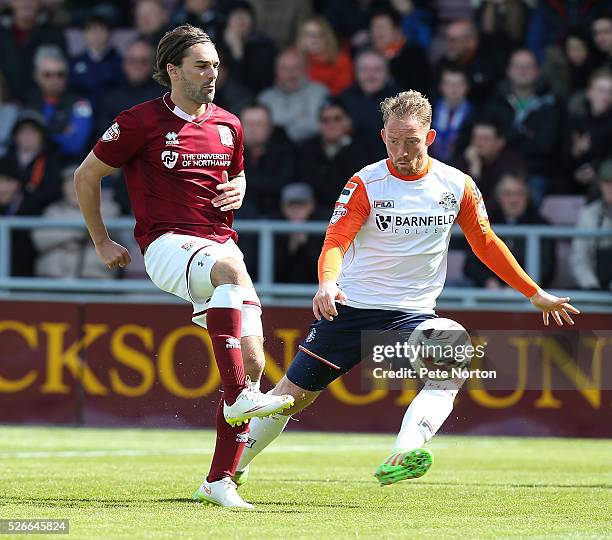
232 343
382 222
172 138
112 133
384 204
169 158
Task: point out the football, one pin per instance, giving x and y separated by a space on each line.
439 346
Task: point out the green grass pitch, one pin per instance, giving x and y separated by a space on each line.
137 484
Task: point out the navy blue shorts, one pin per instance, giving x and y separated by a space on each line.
332 348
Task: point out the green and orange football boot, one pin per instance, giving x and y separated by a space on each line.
403 465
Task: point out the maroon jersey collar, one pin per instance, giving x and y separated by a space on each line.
175 109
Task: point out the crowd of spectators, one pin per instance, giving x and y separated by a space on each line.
522 95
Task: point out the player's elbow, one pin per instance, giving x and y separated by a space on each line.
80 176
85 175
481 246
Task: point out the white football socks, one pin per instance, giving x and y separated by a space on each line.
426 414
263 432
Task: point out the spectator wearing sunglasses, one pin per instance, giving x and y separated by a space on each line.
69 117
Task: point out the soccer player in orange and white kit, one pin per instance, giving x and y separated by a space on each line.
183 161
382 267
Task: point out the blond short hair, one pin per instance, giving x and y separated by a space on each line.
409 104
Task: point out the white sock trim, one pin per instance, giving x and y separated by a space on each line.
227 296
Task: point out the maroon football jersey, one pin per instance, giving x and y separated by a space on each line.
172 164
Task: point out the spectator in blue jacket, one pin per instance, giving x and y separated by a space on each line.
98 69
417 21
453 114
69 117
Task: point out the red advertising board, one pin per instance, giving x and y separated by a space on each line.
147 365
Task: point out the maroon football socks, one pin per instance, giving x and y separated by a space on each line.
224 321
229 446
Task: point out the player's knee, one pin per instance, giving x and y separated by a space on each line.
230 270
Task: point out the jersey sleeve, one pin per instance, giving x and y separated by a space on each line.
486 245
350 213
237 163
121 141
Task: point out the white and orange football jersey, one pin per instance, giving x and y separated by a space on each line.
393 233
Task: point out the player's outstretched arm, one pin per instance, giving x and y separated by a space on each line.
87 179
550 304
497 257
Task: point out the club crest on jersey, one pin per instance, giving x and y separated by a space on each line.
225 136
448 201
112 133
169 158
338 213
382 222
172 138
384 204
347 192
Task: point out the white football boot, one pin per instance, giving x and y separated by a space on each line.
220 493
251 403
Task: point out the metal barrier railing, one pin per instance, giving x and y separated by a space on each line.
267 287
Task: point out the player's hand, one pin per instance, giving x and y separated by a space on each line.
113 254
233 193
324 302
549 305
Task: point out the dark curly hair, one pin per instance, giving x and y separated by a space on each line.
173 48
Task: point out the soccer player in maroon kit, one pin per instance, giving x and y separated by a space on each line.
183 162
